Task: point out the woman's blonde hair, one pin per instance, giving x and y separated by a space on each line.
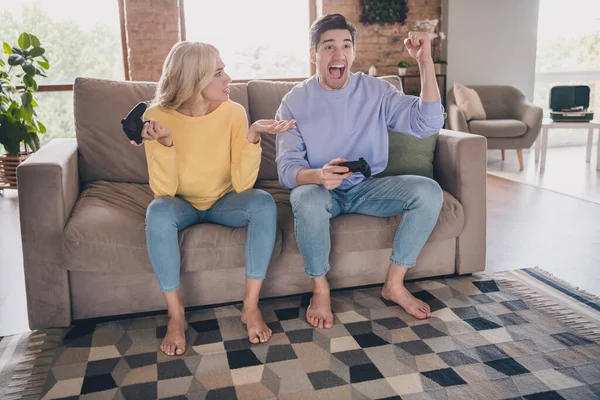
187 70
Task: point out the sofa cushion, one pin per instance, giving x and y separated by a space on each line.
106 233
355 232
104 151
498 128
264 99
469 101
410 155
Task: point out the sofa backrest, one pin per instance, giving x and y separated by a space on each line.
499 101
105 152
264 98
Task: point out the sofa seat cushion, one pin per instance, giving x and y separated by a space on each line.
355 232
498 128
106 233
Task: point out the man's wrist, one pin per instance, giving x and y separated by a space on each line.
423 65
307 176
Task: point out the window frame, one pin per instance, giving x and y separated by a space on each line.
312 8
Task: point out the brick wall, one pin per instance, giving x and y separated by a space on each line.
153 26
383 46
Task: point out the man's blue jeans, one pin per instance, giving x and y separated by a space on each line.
417 198
166 216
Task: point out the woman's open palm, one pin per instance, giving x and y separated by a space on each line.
273 127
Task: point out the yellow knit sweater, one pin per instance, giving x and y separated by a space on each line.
210 156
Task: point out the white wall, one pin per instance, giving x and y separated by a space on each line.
492 42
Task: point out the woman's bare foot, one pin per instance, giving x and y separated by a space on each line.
174 341
401 296
258 331
319 312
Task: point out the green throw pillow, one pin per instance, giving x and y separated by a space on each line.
410 155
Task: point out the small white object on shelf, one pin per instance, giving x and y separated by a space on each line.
372 70
401 71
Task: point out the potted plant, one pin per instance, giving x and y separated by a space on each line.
438 66
19 126
402 65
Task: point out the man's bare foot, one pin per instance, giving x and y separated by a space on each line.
319 312
258 331
174 341
401 296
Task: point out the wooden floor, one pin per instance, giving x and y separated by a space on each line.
526 226
566 171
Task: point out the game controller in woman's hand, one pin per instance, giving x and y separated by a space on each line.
133 124
361 166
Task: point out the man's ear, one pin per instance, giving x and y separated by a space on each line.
313 56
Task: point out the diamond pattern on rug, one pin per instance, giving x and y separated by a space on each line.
481 341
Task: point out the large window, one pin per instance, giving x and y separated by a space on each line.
85 40
256 39
568 53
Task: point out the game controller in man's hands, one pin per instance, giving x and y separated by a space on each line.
133 124
361 166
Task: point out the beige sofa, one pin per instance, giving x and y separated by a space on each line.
512 121
83 202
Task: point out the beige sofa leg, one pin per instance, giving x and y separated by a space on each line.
520 155
503 156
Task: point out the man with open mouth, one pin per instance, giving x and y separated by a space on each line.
343 116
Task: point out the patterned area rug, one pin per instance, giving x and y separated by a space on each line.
517 334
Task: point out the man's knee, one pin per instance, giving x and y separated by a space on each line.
310 199
429 193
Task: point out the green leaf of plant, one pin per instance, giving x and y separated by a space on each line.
16 50
26 98
29 68
42 127
15 59
24 40
41 72
6 48
35 42
30 82
32 139
37 51
44 64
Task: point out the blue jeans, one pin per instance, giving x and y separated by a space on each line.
417 198
166 216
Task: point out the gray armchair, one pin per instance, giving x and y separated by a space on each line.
512 121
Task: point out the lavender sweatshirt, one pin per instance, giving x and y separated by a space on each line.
350 123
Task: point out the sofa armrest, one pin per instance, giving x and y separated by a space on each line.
530 114
48 187
456 119
460 169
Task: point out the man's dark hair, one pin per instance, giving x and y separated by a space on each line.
326 23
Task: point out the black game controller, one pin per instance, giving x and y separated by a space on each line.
361 166
133 124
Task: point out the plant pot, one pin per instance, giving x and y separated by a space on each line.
8 169
401 71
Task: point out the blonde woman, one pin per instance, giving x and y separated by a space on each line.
203 161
